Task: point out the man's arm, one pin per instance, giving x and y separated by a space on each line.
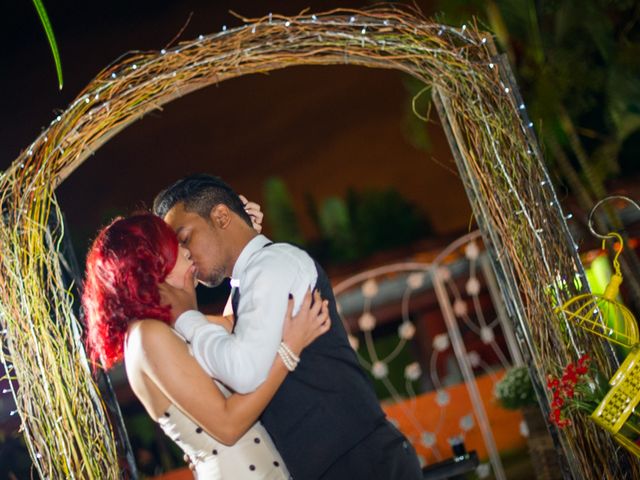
242 360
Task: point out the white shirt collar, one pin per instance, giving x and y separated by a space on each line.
255 244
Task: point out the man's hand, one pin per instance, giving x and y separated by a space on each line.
180 299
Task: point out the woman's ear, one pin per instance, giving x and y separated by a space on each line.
220 216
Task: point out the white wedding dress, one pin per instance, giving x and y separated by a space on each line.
252 457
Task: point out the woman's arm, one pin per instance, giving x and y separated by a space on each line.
187 386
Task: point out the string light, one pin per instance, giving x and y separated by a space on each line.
363 32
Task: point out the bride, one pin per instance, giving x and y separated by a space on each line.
127 263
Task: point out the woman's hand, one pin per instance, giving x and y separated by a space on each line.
253 209
308 324
179 299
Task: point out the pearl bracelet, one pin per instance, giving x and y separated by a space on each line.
289 359
292 355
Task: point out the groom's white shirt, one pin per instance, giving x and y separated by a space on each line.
265 277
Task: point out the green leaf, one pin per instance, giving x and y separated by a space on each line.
281 213
44 18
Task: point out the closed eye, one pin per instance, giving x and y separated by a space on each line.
183 241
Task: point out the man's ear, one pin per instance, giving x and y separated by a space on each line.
220 216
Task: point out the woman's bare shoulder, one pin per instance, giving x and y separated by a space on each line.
147 334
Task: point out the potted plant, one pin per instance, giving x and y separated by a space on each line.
515 392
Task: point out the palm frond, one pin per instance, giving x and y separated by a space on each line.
46 24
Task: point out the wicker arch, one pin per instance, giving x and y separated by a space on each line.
63 417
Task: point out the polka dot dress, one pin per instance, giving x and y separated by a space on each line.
252 457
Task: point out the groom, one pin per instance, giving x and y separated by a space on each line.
325 419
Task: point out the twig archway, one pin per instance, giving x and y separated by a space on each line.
63 417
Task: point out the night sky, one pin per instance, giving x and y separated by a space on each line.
322 129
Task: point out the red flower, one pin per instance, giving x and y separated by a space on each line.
564 389
583 365
570 376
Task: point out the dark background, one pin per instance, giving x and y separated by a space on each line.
322 129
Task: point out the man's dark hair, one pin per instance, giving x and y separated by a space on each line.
199 193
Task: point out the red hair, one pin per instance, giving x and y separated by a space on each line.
127 261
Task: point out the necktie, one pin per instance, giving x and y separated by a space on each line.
235 301
235 297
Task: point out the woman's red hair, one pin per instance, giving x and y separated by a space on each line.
127 261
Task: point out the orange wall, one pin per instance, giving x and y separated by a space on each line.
505 424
